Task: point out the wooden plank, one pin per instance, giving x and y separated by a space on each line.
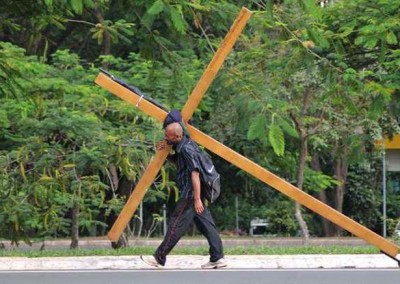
261 173
155 165
293 192
130 97
215 64
137 195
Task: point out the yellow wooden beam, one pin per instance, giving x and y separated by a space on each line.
137 195
259 172
156 163
215 64
293 192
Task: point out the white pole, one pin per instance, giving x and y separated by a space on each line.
237 214
384 192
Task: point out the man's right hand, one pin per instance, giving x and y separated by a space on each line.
161 145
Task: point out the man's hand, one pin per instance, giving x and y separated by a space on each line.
161 145
198 206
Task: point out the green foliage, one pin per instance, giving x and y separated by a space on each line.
316 181
118 30
362 202
299 73
10 59
275 136
58 147
257 127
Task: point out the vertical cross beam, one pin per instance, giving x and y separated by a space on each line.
194 99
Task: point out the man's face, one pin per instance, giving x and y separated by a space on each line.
171 138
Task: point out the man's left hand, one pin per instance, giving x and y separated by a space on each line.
198 206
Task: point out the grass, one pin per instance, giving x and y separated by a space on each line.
248 250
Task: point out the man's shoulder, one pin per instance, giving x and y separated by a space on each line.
190 147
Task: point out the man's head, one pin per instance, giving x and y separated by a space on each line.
173 133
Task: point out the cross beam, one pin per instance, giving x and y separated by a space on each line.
195 97
229 155
255 170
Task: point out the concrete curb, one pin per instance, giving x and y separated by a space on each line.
195 262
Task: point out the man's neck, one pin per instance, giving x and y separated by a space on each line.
180 144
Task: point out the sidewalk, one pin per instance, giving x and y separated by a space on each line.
195 262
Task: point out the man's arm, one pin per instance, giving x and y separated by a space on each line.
198 204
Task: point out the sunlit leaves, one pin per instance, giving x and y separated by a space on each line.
119 30
178 19
276 138
317 181
11 58
311 7
391 38
257 127
287 127
156 8
77 6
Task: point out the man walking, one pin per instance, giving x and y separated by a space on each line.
190 207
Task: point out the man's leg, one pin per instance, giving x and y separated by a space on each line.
179 222
205 223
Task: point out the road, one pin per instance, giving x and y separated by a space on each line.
275 276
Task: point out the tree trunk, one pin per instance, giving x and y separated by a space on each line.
113 179
341 176
300 181
341 169
326 225
115 186
75 224
302 131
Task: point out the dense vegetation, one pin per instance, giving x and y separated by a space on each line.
306 93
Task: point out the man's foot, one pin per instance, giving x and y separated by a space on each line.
150 260
215 265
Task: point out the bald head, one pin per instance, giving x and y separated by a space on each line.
174 129
173 133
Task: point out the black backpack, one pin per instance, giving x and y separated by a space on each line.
209 178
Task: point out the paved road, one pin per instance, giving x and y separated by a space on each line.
299 276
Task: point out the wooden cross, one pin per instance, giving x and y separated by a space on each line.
226 153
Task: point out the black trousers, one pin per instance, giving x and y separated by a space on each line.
183 215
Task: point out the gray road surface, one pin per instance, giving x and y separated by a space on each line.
273 276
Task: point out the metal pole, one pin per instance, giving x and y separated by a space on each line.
237 214
384 192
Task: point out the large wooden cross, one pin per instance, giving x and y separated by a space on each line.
226 153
